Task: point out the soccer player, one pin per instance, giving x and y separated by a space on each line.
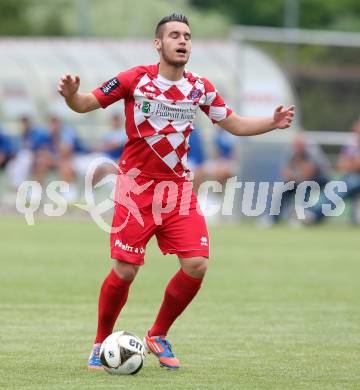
160 105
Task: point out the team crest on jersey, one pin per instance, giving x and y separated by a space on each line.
195 94
110 86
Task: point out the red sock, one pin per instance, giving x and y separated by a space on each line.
113 296
180 291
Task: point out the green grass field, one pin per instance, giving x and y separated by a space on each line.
279 309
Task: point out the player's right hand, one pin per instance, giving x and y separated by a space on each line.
68 85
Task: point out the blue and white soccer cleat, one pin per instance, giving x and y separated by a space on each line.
161 348
94 362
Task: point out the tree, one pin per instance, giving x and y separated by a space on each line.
13 17
318 14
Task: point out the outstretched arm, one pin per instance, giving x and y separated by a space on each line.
238 125
79 102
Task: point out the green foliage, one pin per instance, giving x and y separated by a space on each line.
327 102
32 17
124 18
107 18
128 18
47 18
13 17
247 12
319 14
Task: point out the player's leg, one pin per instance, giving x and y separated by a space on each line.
128 246
187 237
43 163
19 168
68 171
113 296
179 292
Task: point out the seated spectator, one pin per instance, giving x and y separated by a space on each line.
303 164
220 168
196 158
112 146
114 140
349 166
31 141
349 160
63 146
6 149
224 165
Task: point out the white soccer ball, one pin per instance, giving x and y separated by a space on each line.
122 353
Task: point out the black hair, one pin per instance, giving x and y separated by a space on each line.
170 18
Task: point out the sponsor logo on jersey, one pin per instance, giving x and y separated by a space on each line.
146 106
168 112
110 86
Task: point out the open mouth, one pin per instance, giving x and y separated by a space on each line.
181 51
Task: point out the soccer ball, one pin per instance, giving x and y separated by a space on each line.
122 353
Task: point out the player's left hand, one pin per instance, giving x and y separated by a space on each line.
283 117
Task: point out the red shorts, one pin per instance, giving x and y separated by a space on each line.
167 209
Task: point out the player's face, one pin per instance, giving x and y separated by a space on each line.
175 44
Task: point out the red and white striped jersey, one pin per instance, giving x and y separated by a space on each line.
159 116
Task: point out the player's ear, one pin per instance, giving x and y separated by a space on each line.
157 44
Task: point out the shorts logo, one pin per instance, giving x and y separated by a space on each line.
110 86
126 247
203 241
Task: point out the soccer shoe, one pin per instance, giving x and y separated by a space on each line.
94 362
160 347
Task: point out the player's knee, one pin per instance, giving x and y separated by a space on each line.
195 267
125 271
202 267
